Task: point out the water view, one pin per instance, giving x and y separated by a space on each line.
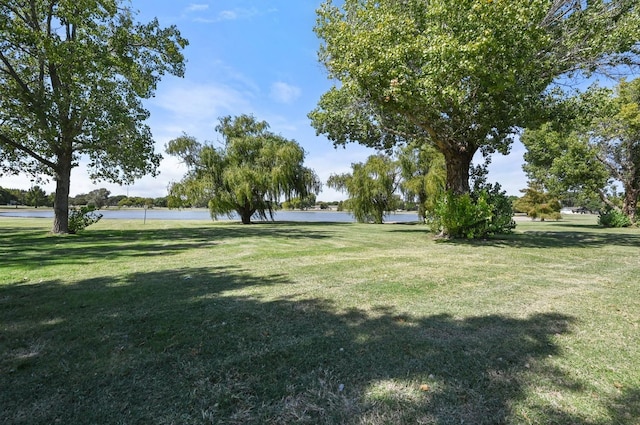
203 214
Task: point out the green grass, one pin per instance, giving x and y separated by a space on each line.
198 322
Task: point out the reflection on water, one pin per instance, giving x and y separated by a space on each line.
202 214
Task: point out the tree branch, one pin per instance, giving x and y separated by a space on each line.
22 148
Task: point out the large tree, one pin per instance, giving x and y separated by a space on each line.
371 187
461 75
247 175
598 143
72 76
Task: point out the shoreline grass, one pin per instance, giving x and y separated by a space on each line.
201 322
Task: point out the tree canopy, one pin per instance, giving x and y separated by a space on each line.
423 175
459 75
371 187
36 196
596 144
247 175
538 204
72 76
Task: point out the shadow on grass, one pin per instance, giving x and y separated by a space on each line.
578 238
183 347
34 246
559 235
559 239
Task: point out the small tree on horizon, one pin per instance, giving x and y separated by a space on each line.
539 205
36 197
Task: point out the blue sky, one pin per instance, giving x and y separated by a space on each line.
255 57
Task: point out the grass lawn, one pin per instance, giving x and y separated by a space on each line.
199 322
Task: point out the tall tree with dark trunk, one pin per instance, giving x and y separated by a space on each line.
72 76
599 145
247 175
461 75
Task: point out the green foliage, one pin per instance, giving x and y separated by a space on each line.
82 217
297 203
501 209
98 197
37 197
13 196
617 138
595 143
458 216
113 201
423 176
160 202
248 175
559 160
479 214
539 205
72 78
371 188
613 217
460 75
6 197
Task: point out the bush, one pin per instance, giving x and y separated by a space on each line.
613 218
538 205
81 218
501 210
480 214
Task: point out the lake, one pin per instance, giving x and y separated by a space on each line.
203 214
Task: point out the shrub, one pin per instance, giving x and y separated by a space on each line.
613 218
501 210
81 218
480 214
538 205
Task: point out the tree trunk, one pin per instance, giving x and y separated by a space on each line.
458 162
630 203
422 207
61 201
245 215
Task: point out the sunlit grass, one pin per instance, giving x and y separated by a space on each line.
201 322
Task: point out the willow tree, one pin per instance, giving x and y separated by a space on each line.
247 175
423 175
371 187
461 75
72 76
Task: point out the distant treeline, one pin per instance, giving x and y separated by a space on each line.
99 198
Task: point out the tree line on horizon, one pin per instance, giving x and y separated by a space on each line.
98 198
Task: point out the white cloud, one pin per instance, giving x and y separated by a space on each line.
195 108
229 15
197 7
284 93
